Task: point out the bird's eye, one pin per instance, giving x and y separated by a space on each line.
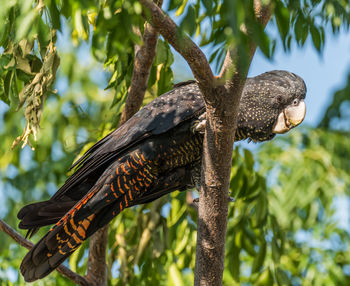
279 99
295 101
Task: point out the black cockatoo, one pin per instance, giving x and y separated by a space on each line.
156 152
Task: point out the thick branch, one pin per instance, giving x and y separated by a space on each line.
184 45
97 269
76 278
213 195
216 165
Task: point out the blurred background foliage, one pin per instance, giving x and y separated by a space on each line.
64 74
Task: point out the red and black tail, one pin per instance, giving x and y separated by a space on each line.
126 182
64 238
54 248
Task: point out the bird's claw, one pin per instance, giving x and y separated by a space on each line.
200 124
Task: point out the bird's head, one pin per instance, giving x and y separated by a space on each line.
272 103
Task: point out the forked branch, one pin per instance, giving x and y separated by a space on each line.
184 45
222 99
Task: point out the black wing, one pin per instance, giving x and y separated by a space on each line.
162 114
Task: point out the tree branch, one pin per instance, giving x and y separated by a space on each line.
216 165
144 56
76 278
97 267
142 66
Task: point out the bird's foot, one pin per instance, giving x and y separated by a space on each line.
200 124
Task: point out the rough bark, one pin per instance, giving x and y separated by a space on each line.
222 111
213 195
76 278
222 97
144 56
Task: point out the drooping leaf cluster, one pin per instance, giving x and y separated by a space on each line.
29 60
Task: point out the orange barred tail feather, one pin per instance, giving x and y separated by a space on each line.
115 190
65 237
54 248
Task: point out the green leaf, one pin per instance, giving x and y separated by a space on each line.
249 159
282 19
80 24
259 259
265 278
213 55
3 96
7 83
316 38
300 30
25 25
175 276
282 277
4 33
44 37
189 22
66 9
55 15
182 243
181 9
208 4
276 251
234 263
261 210
248 245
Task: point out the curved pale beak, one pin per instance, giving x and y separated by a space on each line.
290 117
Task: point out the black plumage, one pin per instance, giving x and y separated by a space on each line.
156 152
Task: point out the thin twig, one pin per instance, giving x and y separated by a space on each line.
76 278
97 267
142 66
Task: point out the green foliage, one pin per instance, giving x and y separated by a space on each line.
335 116
281 228
308 175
